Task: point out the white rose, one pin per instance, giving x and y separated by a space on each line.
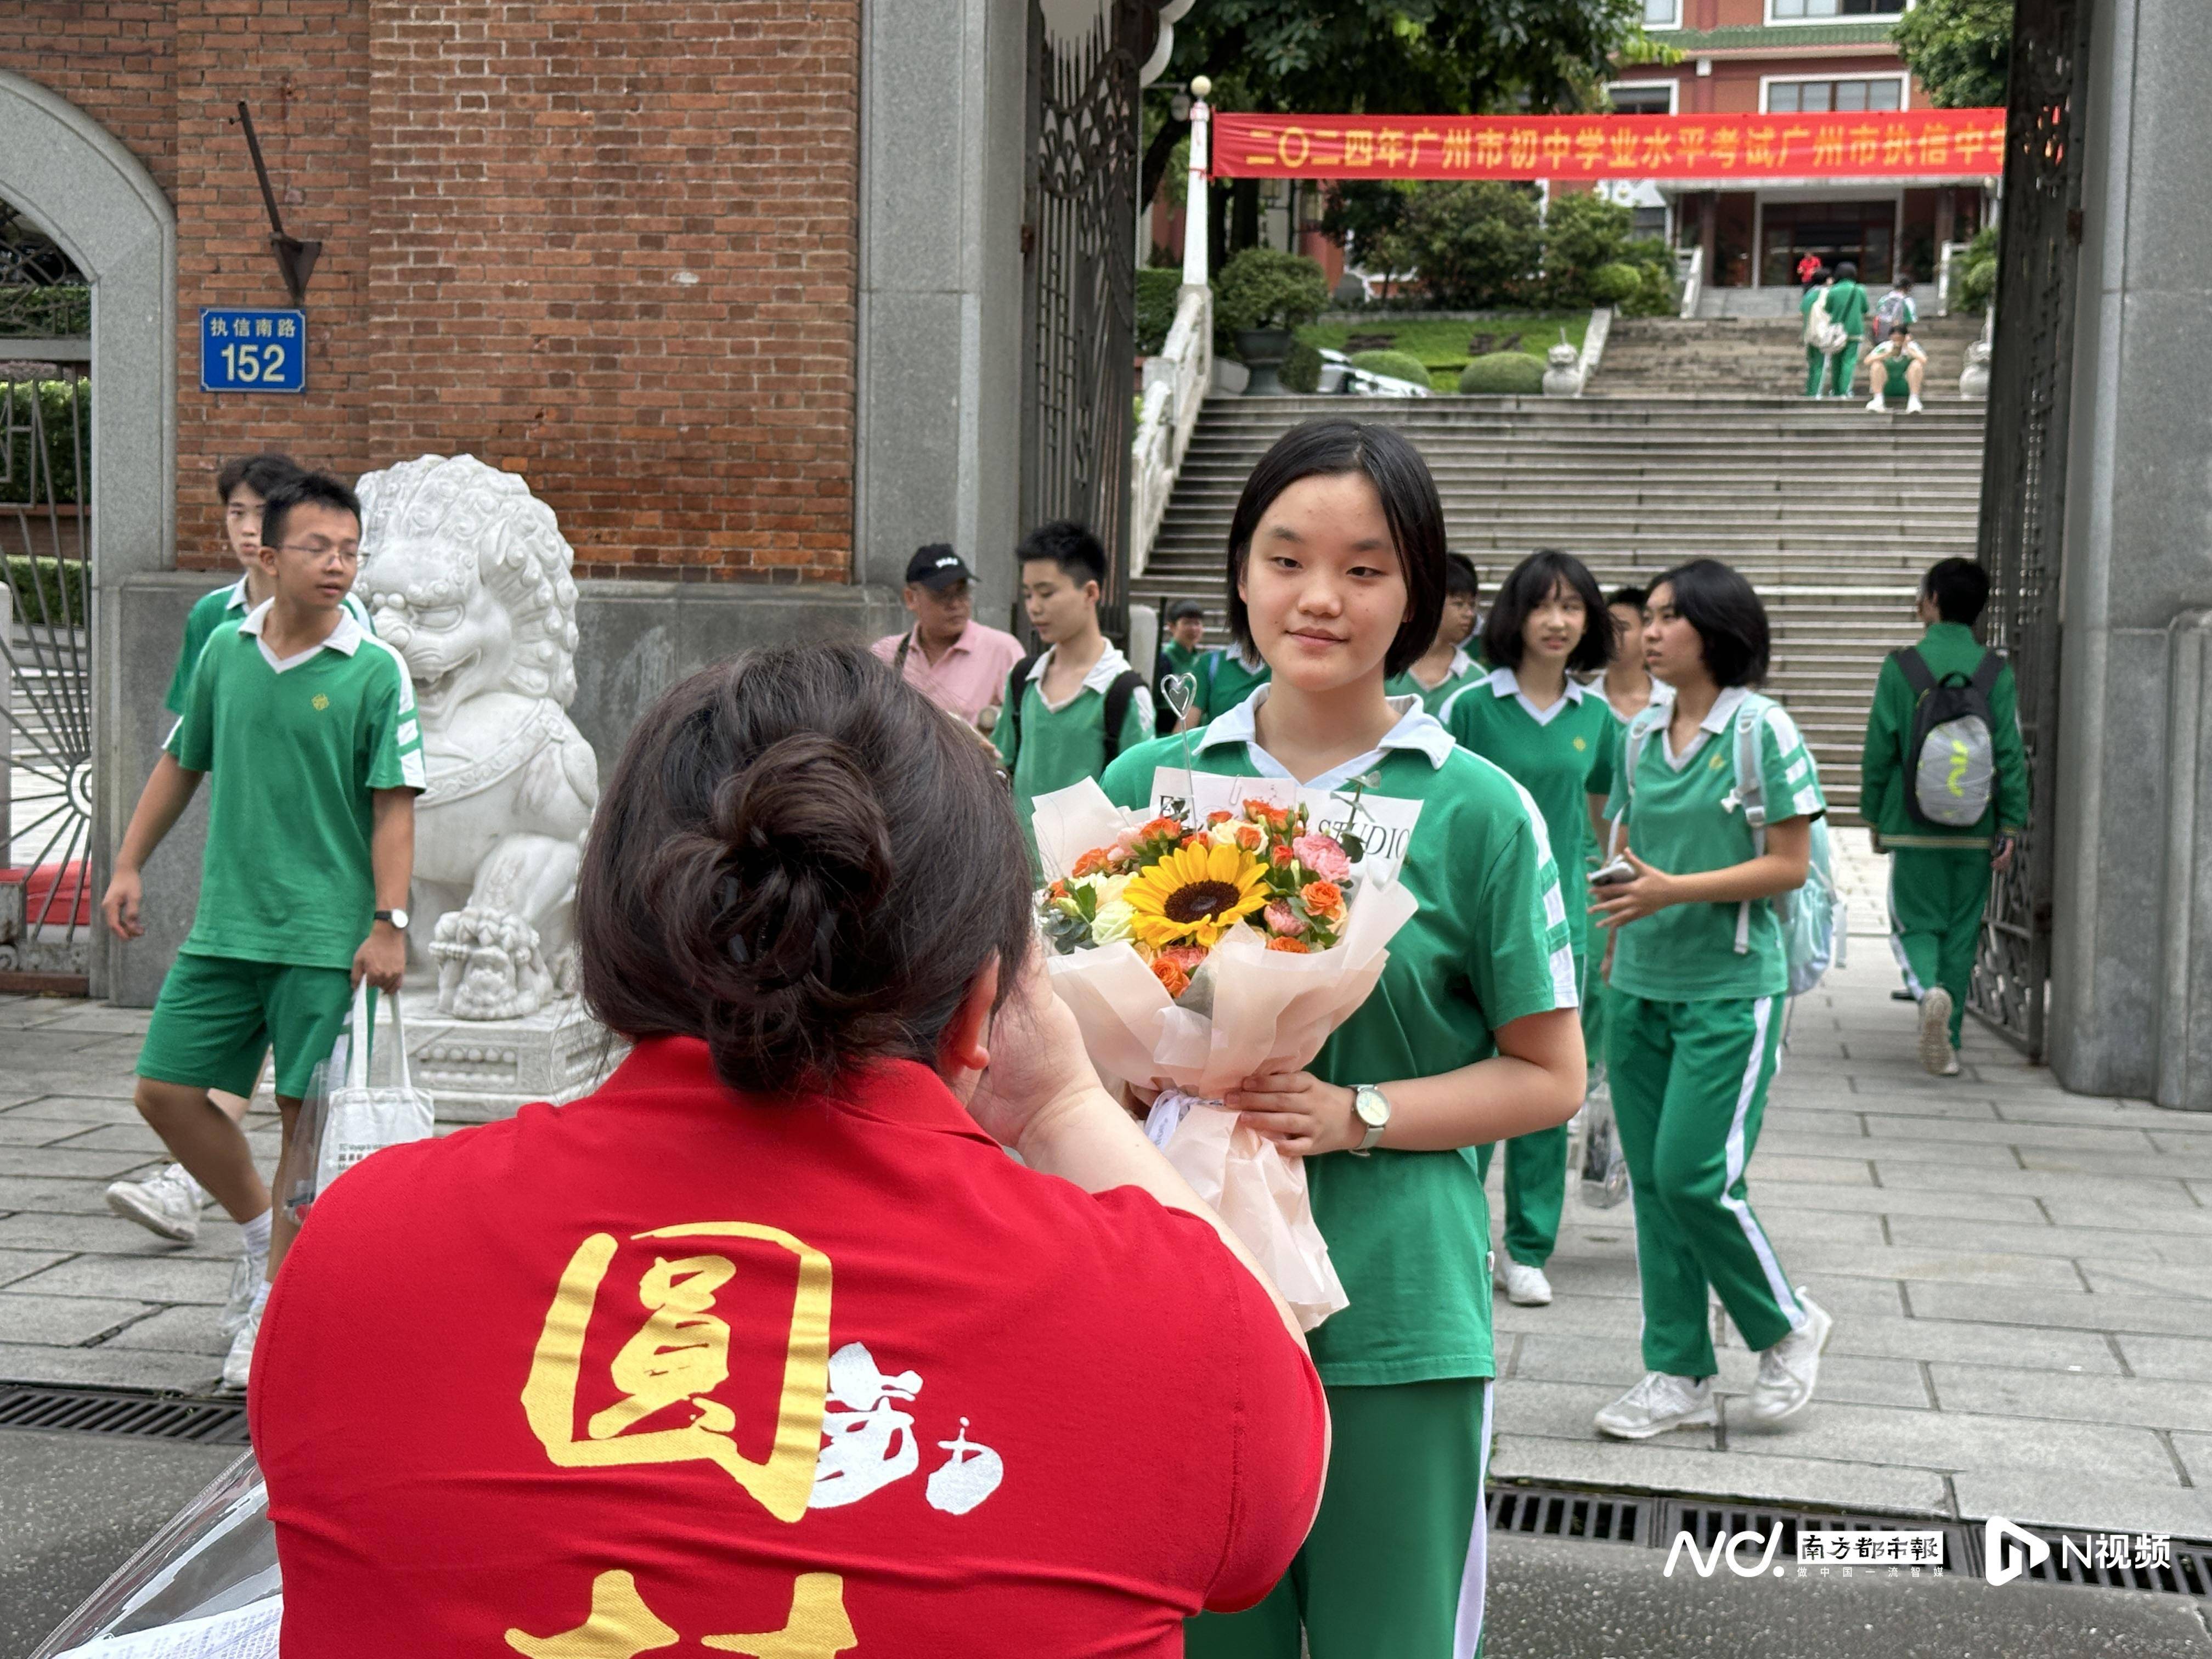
1115 922
1108 890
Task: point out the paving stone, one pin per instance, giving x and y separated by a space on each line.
2119 1193
2084 1108
1952 1440
2068 1137
20 1264
2189 1223
1995 1304
63 1322
2175 1278
1964 1208
1773 1165
1893 1336
2158 1166
1985 1154
2194 1143
1965 1267
33 1131
1664 1465
2070 1501
101 1020
103 1163
28 1193
77 1108
110 1235
2146 1402
171 1278
2196 1450
137 1136
109 1367
1963 1109
1563 1411
2173 1357
1602 1363
191 1330
2075 1244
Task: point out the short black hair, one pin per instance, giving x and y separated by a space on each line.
259 473
303 490
1460 575
1960 588
1730 621
1182 608
1327 448
1631 594
1904 282
1847 272
1900 326
1529 584
1079 553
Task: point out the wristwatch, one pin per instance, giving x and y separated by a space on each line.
1372 1108
397 918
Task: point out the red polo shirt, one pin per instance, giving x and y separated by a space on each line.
669 1366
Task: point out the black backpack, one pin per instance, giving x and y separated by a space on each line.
1949 751
1118 695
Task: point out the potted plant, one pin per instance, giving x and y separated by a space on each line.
1260 297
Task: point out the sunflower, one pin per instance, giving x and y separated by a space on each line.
1195 894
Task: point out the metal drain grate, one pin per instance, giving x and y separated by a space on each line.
109 1411
2187 1572
1601 1518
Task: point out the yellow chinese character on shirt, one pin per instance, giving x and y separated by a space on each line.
1359 147
678 1355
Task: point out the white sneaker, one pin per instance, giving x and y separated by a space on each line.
1526 1286
1873 405
1787 1370
1658 1403
1935 1053
245 1278
1912 406
166 1203
238 1364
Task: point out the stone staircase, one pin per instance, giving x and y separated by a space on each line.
1761 356
1831 511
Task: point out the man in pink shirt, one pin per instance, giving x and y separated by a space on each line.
947 655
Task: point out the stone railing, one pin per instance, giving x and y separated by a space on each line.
1690 269
1176 382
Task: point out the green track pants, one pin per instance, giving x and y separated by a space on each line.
1536 1165
1831 377
1689 1088
1396 1562
1936 897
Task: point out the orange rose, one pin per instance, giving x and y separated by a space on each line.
1251 837
1323 898
1091 863
1185 956
1160 826
1261 813
1059 890
1280 855
1169 975
1213 819
1296 947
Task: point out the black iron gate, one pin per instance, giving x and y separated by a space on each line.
2024 475
1079 311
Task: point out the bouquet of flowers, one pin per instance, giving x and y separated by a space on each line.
1197 949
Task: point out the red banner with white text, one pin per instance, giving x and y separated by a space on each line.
1870 144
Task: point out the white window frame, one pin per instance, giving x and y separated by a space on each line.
1903 90
1677 23
1673 91
1774 22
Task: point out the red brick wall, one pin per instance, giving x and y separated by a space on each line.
513 202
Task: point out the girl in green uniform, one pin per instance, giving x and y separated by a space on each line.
1556 740
1694 1022
1336 576
1437 673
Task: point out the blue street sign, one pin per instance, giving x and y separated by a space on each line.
252 349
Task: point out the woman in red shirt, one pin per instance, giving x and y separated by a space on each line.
767 1345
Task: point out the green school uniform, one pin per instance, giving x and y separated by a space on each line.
1827 376
209 613
1562 756
1693 1034
1465 671
1226 679
1408 1232
1057 747
1180 658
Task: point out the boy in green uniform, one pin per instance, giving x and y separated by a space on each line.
169 1202
309 724
1533 721
1831 375
1077 704
1445 666
1226 679
1468 1036
1183 649
1939 875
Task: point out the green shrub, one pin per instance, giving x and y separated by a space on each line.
63 310
1399 365
1502 374
1582 232
1301 370
1260 288
1975 274
1615 282
66 412
1475 244
1155 307
37 584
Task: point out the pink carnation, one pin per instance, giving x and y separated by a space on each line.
1321 855
1282 918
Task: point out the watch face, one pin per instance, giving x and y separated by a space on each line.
399 919
1372 1108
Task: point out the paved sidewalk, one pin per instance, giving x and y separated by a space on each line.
2022 1279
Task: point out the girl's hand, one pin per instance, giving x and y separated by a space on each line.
1624 902
1302 1114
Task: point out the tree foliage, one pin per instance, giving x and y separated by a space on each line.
1261 287
1962 50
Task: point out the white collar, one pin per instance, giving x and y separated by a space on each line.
1716 720
1110 666
235 598
1503 684
1416 729
344 639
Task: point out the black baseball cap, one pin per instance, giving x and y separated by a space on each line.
937 567
1182 608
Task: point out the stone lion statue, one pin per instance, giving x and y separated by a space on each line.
467 576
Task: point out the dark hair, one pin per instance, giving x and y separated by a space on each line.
1730 621
1182 608
1900 326
804 863
1460 575
1847 272
1639 596
259 473
1327 448
1080 555
303 490
1526 585
1960 588
1904 282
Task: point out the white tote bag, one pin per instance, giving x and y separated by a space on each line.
360 1120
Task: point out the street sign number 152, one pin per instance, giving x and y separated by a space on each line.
249 348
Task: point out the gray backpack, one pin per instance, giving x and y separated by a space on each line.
1949 751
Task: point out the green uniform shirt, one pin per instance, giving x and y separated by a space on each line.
1058 747
1410 1232
1465 671
1224 679
209 612
1885 774
1561 756
1847 308
294 753
1685 820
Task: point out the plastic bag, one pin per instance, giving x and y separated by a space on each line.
1605 1170
358 1120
